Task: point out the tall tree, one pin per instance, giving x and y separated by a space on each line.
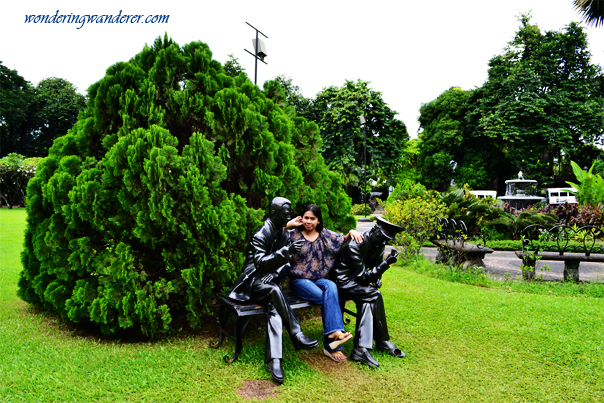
541 106
543 99
303 106
31 117
232 67
337 112
450 148
443 135
55 109
16 98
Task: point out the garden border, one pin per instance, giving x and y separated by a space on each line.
559 236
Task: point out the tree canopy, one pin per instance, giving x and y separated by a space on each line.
543 98
450 148
31 117
16 98
55 110
337 112
541 104
140 214
304 106
232 67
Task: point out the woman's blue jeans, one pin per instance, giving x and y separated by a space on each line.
322 292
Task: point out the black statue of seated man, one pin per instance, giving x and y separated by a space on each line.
266 264
357 272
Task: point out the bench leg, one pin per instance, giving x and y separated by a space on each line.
343 310
571 271
240 326
222 324
443 255
474 259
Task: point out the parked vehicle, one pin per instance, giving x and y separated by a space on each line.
483 194
561 195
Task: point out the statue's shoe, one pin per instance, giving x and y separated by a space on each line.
362 355
276 370
390 348
303 342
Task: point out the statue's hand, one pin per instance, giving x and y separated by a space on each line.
378 283
267 278
391 259
295 246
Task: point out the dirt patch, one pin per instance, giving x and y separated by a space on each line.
257 390
321 363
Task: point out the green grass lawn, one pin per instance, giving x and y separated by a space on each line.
463 343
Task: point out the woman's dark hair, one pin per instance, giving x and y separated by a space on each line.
317 212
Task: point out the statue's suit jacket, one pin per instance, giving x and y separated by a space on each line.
354 271
267 252
355 268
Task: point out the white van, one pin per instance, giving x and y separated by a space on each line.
561 195
483 194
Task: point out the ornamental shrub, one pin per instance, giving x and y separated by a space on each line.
361 209
418 217
15 172
140 214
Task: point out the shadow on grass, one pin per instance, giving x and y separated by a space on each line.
209 328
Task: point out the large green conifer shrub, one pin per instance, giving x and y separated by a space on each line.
141 212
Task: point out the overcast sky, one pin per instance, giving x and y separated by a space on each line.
411 51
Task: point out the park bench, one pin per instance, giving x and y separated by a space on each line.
541 243
451 241
243 314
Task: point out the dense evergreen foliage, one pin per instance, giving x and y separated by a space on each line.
140 214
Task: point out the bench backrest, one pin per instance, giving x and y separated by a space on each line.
562 238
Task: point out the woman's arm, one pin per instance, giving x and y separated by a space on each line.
296 222
357 236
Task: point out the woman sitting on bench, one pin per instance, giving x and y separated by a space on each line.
309 271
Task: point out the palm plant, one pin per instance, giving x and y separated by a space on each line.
592 11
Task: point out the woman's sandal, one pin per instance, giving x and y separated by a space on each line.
330 355
338 342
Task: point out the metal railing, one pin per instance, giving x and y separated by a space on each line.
451 230
561 239
455 231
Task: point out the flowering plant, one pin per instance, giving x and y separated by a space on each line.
15 173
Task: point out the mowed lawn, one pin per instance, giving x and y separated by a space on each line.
463 344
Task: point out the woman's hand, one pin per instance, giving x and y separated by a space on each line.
357 236
296 222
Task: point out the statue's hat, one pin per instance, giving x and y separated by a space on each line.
388 229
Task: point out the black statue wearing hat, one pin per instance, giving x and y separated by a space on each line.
357 273
266 264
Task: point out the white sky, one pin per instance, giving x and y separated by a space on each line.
411 51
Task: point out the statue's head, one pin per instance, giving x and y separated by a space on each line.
281 210
383 231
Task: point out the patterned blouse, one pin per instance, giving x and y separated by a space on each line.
316 258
